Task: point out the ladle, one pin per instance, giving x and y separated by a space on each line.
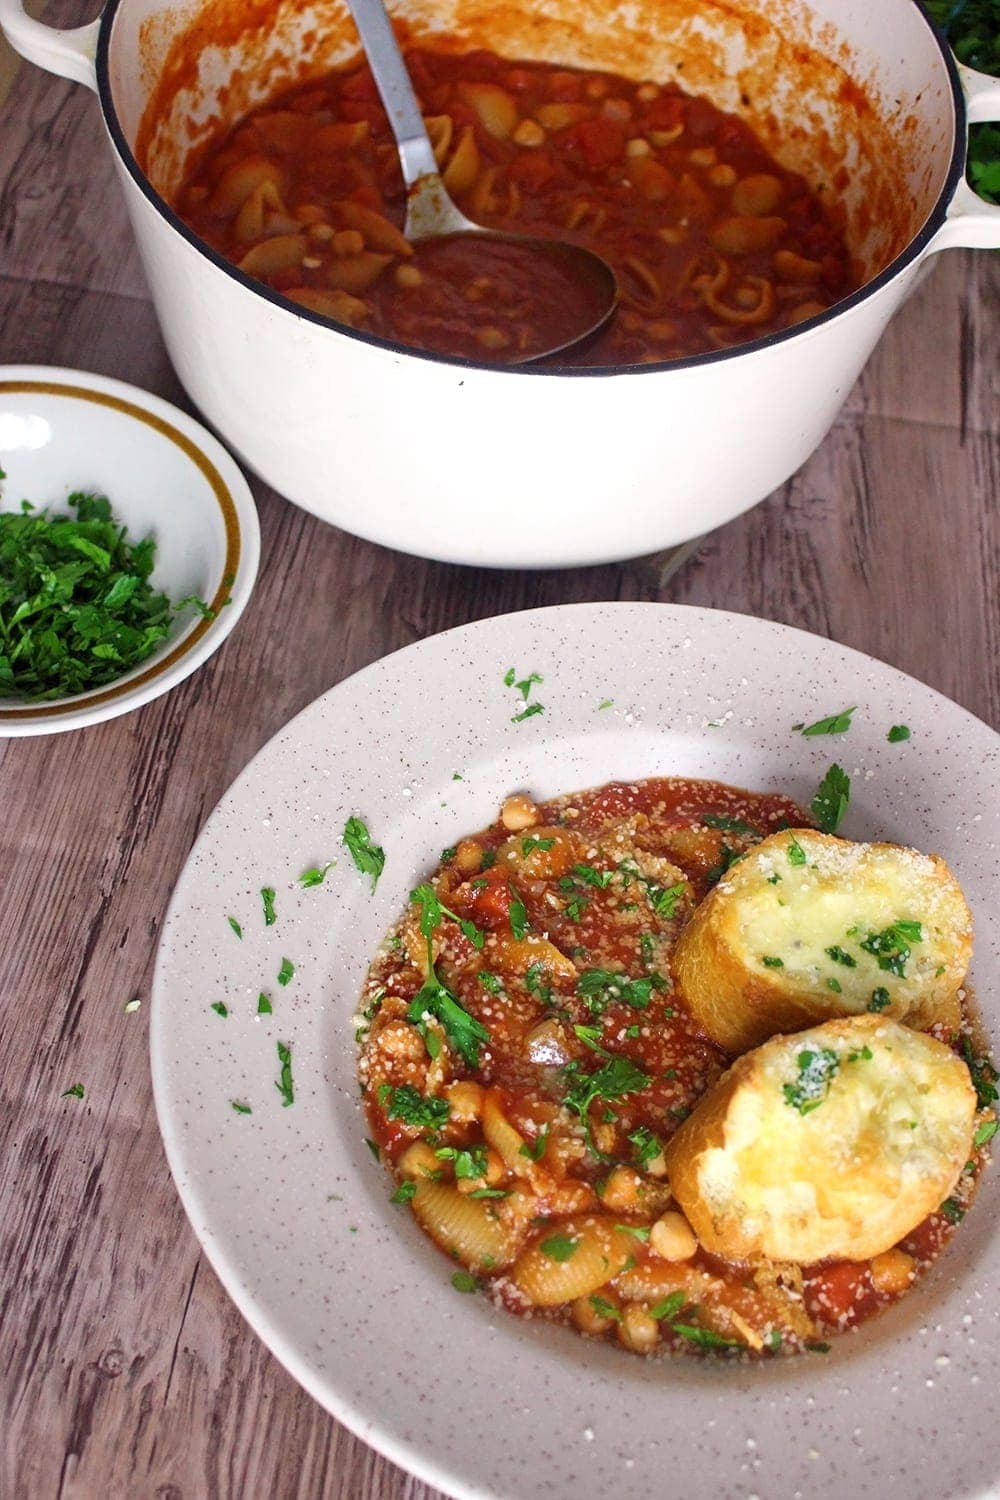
431 213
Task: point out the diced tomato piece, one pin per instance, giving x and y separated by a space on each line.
489 903
518 79
534 170
601 141
565 88
841 1292
360 85
666 112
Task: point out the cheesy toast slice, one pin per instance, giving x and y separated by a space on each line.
831 1144
806 927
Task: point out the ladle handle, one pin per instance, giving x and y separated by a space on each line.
416 154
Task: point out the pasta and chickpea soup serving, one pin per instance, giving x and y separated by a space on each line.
669 1062
712 241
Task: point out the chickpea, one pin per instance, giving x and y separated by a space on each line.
616 109
399 1040
623 1190
492 337
529 133
321 233
596 88
703 156
722 176
311 262
638 146
637 1330
348 242
418 1160
672 1238
465 1100
407 276
647 92
518 812
892 1272
468 855
590 1319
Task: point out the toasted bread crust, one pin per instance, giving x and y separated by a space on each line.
841 1171
836 896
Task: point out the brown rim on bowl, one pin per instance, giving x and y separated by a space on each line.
229 518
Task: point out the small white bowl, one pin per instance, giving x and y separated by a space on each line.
64 430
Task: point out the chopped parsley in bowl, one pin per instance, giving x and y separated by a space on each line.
77 609
129 546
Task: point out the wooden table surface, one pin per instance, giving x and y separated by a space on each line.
125 1370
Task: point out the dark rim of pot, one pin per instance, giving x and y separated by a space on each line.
907 255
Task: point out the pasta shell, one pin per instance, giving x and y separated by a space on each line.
464 1227
600 1252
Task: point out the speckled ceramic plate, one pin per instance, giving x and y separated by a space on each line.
294 1213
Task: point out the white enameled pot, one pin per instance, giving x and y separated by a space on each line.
453 460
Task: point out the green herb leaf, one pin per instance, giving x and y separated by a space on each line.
600 879
832 798
518 916
647 1146
605 1309
669 1307
817 1069
601 987
535 1150
770 962
879 1000
952 1210
490 983
77 610
463 1031
264 1006
559 1247
464 1281
219 1008
984 1075
316 875
75 1091
528 713
235 926
614 1080
891 947
841 956
705 1338
898 733
267 896
407 1104
368 857
835 724
985 1132
240 1107
285 972
796 853
284 1083
404 1192
730 825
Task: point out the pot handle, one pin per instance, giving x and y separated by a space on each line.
971 221
69 53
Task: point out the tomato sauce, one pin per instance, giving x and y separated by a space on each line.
711 240
538 1111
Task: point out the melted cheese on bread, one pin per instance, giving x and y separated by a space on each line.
831 1144
807 927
